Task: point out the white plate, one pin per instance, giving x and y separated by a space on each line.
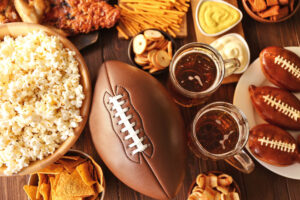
221 32
242 100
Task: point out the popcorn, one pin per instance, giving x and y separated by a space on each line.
40 98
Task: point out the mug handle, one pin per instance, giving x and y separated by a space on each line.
231 65
242 162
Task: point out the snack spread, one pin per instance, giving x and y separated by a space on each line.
281 67
215 17
214 187
232 46
152 50
276 106
160 14
273 145
139 134
272 9
71 177
40 99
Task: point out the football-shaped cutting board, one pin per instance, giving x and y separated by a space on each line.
138 131
205 39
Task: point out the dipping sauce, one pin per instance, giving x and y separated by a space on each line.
195 72
217 131
231 46
215 17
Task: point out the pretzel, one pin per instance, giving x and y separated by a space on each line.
212 187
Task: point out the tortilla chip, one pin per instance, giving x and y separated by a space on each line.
52 169
70 157
56 179
98 174
70 165
42 179
45 191
71 185
85 171
30 191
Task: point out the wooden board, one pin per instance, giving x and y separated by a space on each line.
205 39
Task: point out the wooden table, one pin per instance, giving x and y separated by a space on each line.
259 185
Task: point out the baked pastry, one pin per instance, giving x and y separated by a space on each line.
273 145
276 106
138 131
281 67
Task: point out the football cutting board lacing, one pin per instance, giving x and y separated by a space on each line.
282 107
129 127
282 146
287 65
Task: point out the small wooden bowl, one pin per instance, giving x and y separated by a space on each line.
259 19
235 185
33 179
17 29
131 54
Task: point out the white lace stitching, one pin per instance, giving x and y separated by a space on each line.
287 65
274 144
282 107
129 127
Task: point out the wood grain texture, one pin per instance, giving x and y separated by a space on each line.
260 185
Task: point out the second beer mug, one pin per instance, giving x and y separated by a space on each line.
196 71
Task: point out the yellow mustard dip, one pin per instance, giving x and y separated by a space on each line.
215 17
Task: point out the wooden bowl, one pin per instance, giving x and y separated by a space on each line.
131 54
33 179
259 19
217 173
16 29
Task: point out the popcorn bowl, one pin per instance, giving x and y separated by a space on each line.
21 29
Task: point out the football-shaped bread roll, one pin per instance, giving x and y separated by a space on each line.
281 67
273 145
138 131
276 106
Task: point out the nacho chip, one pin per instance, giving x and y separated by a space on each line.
52 169
42 179
98 174
70 165
85 171
71 185
45 191
30 191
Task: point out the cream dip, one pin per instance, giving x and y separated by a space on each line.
233 46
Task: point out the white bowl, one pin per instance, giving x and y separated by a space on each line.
221 32
241 38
